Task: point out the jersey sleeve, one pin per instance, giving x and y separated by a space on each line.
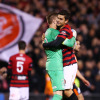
54 44
69 42
65 33
30 65
10 63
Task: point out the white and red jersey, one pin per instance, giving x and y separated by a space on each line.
20 65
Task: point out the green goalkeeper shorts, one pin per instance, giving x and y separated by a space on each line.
57 79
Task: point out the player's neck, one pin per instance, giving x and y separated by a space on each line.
53 26
22 51
62 26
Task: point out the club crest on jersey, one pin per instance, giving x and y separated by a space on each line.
63 32
11 28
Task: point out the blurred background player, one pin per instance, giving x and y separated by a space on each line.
19 68
76 86
48 88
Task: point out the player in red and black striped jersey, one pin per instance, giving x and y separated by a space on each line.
20 66
68 53
69 59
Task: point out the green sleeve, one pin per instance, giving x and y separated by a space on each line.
69 42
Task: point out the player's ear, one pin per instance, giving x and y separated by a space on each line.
66 21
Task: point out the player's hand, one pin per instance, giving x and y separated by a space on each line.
86 82
43 37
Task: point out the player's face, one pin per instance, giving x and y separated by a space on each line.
55 20
61 20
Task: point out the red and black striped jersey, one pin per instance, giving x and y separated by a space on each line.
20 64
68 52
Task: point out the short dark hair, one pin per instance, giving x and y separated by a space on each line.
66 13
21 45
50 17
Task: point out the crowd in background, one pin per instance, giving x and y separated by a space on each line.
85 19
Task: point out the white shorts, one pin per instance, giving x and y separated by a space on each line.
69 75
21 93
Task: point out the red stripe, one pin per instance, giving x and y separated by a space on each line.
64 50
20 81
74 61
30 69
62 36
16 85
66 53
9 67
67 58
66 30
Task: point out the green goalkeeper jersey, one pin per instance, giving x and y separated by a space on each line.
54 57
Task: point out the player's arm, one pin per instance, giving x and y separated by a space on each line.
59 41
79 75
56 43
62 39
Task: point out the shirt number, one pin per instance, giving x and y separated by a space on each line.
20 66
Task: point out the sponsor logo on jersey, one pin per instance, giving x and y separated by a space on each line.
63 32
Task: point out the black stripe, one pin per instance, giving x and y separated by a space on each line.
19 75
68 55
19 83
69 60
17 79
9 65
65 27
67 50
62 35
10 60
